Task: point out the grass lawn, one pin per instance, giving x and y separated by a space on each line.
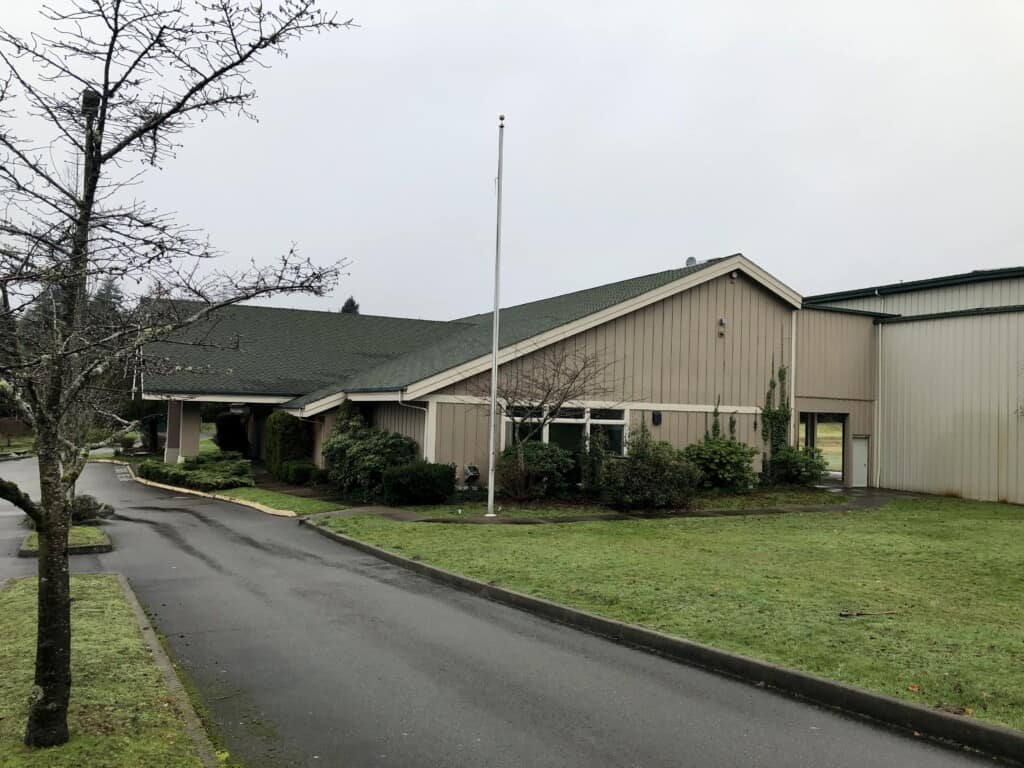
121 715
207 446
300 505
79 536
10 444
942 577
830 441
758 499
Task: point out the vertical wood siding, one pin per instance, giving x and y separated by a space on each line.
836 355
462 437
402 419
992 293
671 351
949 406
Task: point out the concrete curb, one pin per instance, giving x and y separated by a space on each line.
202 494
936 725
81 549
193 726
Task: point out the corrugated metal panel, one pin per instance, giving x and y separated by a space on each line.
835 355
993 293
948 419
671 351
402 419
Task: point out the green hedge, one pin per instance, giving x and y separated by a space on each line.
419 482
286 440
654 476
533 470
725 463
214 472
359 455
300 472
796 466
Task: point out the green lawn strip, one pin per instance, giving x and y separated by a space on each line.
121 714
768 498
773 587
510 510
300 505
757 499
16 444
207 446
79 536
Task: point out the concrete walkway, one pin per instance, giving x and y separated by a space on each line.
307 653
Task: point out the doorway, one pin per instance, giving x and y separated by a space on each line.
827 432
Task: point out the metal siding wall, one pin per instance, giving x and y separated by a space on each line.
950 393
836 355
402 419
670 351
993 293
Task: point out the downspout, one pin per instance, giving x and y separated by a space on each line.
877 467
427 436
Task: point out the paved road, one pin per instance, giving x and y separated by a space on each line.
310 654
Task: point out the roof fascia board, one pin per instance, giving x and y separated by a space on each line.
332 401
847 311
450 376
918 285
218 398
976 312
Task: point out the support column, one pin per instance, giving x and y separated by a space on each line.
172 446
191 423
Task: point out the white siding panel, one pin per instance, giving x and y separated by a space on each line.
992 293
949 406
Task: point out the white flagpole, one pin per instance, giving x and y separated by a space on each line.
494 335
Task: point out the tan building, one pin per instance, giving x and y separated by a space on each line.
924 390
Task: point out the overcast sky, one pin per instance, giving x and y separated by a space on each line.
837 145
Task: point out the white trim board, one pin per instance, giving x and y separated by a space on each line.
229 398
417 390
628 405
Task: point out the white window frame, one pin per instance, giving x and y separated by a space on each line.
586 421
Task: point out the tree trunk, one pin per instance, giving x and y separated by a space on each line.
48 709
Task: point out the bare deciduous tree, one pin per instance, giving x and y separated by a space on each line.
533 389
113 85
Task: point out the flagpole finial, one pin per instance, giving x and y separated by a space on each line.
501 119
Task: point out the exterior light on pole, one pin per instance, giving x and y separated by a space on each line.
90 103
493 452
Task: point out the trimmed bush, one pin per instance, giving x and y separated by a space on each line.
215 472
286 440
533 470
419 482
796 466
86 509
724 463
359 455
299 472
231 433
654 476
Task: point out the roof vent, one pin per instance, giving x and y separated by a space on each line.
691 262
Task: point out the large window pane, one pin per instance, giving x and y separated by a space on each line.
612 435
609 414
569 437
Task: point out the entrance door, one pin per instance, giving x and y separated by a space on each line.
860 462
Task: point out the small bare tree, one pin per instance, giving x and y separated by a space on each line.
113 85
536 389
533 389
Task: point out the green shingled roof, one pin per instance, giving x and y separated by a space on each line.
312 355
285 352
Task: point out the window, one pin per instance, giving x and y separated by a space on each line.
573 428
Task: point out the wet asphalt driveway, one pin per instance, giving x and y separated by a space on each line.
307 653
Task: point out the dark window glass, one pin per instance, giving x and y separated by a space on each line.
570 413
606 413
612 434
